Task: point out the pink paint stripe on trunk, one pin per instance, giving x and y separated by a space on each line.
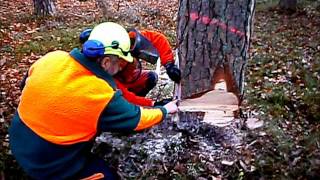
206 20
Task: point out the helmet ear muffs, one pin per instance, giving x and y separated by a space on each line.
84 35
93 49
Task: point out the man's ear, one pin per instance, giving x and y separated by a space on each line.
105 62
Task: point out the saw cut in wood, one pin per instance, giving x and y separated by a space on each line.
212 100
218 105
218 118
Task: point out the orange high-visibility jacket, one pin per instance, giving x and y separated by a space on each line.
67 100
160 42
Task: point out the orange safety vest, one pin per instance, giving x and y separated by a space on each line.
66 108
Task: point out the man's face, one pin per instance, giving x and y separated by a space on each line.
113 64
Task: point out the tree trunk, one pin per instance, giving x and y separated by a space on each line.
288 5
105 7
213 41
109 8
120 10
44 7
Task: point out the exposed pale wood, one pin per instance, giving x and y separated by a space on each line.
218 106
208 108
212 100
253 123
218 118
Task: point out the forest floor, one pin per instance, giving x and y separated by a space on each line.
282 89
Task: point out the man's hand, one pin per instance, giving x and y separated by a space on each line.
171 107
173 72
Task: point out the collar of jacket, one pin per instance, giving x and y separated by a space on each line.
92 66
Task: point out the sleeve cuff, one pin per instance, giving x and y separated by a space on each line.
164 112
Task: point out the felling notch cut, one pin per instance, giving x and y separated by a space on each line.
211 41
218 106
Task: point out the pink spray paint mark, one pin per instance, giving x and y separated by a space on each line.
233 30
214 22
194 16
206 20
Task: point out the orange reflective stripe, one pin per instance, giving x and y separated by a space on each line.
149 117
62 101
95 176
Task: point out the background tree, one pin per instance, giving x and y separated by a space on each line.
44 7
213 37
109 8
288 5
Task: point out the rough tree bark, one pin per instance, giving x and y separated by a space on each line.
213 37
107 7
44 7
288 5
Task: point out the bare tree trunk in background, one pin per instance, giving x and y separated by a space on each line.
104 5
288 5
119 10
44 7
107 7
213 37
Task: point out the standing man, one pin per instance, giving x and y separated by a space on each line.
68 99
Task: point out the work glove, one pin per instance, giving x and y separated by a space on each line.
173 72
162 102
171 107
